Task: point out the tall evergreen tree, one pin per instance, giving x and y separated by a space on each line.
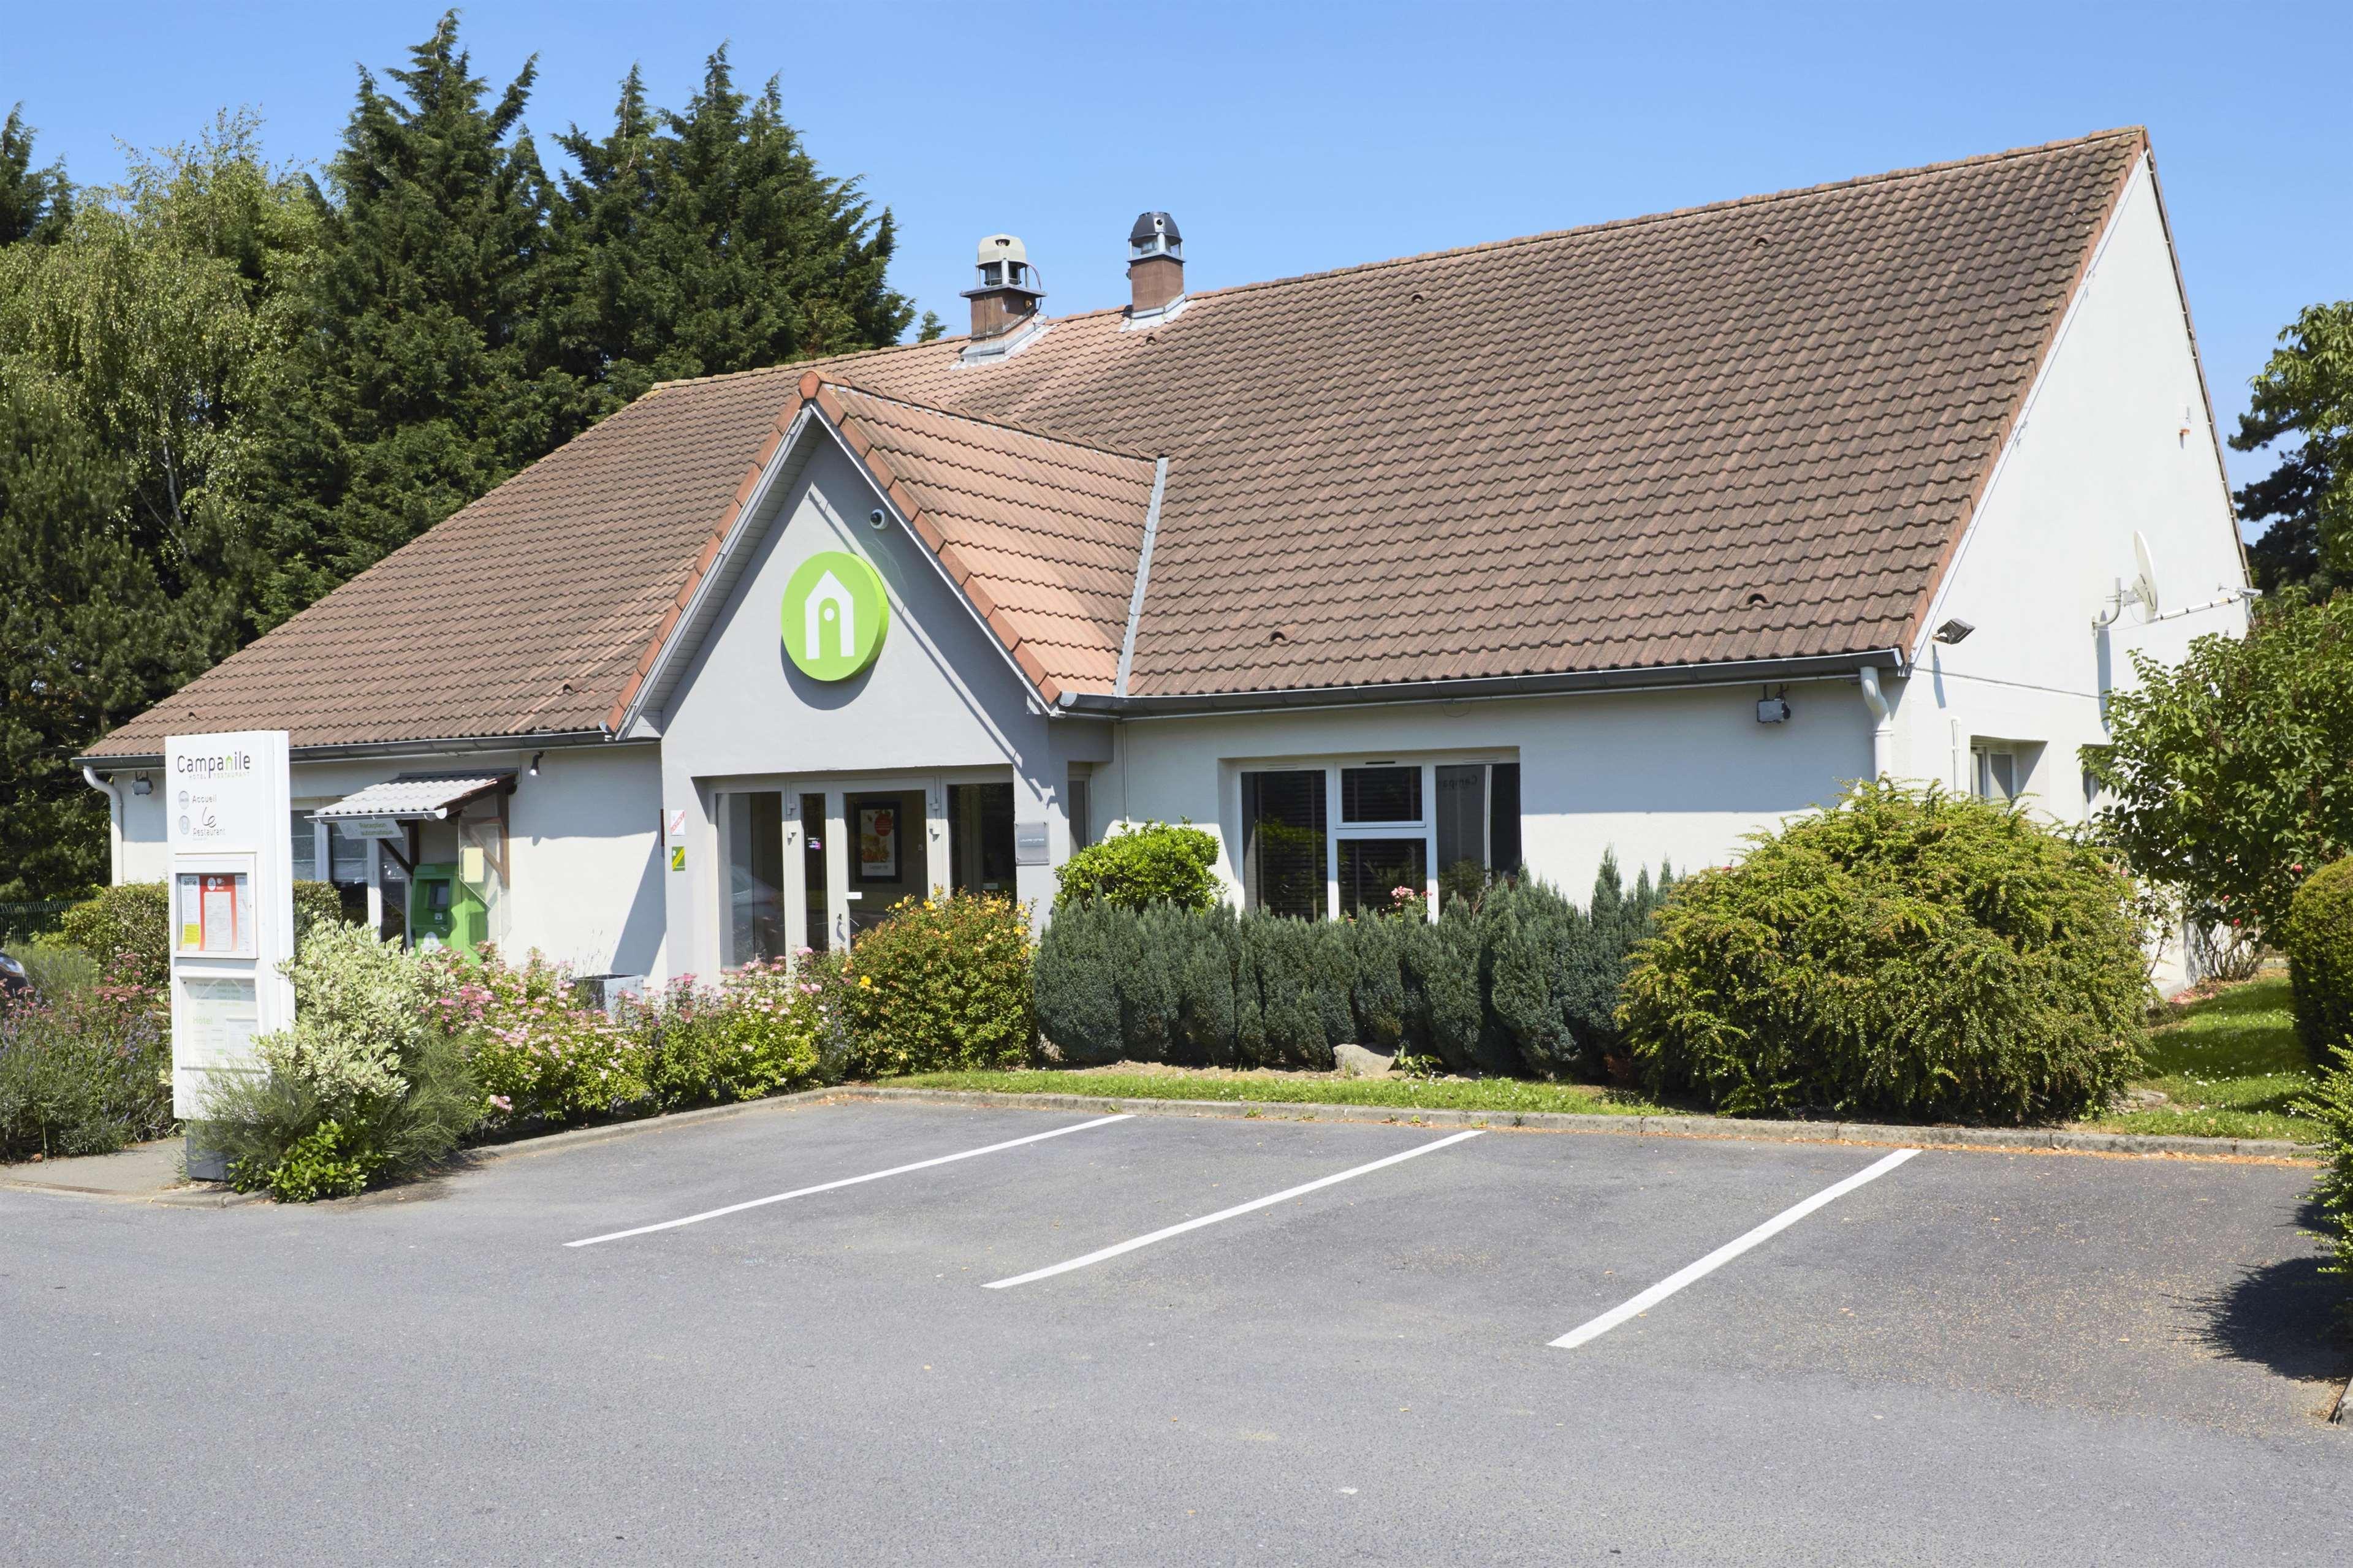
35 203
2306 390
419 386
698 243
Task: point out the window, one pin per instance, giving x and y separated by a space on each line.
1079 808
1283 842
304 838
1380 794
1996 772
1450 825
1379 874
980 838
753 827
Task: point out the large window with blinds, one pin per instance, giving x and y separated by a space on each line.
1282 841
1358 838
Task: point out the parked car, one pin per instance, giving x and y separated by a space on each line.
14 981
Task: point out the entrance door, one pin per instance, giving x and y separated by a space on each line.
887 858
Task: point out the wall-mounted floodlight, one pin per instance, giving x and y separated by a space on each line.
1955 630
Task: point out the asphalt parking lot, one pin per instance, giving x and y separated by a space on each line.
1969 1357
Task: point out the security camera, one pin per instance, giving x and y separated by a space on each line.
875 519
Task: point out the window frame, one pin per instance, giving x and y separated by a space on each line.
1337 828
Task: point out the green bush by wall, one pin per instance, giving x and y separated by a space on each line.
1151 863
2318 941
131 917
1905 953
1516 980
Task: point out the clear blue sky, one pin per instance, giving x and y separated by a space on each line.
1289 137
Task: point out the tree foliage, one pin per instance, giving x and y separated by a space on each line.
225 388
2304 390
134 350
2230 774
35 203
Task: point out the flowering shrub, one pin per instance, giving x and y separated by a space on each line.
539 1055
84 1071
766 1028
943 983
358 1012
364 1085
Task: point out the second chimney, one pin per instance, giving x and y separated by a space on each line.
1155 264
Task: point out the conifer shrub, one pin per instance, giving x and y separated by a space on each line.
2318 941
1516 980
1905 953
2332 1107
941 983
1150 863
1076 983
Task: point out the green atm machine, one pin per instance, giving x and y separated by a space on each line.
443 911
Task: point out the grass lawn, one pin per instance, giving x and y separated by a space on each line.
2231 1066
1295 1089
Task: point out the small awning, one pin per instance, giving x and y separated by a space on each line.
413 797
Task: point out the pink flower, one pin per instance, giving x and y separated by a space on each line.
502 1102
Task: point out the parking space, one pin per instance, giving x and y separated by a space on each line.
1341 1333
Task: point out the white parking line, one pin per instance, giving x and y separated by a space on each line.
1725 1254
1272 1198
846 1182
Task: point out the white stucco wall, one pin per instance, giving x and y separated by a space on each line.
583 840
1679 776
2116 438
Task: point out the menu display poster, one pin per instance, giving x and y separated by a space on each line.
227 807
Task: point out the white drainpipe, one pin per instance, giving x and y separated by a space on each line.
1882 725
113 821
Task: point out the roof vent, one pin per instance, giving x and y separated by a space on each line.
1009 288
1155 269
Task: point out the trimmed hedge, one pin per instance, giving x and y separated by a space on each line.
132 919
1519 980
2318 941
1149 863
1906 954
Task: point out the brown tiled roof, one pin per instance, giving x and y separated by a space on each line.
1044 535
1747 431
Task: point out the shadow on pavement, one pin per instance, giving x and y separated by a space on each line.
2286 1316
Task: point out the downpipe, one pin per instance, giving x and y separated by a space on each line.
114 819
1883 721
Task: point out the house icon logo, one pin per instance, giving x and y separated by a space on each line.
834 613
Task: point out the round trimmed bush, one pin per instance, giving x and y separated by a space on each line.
2318 941
1151 863
1905 953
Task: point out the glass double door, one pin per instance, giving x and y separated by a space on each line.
860 851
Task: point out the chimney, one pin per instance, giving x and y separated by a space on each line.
1156 265
1008 291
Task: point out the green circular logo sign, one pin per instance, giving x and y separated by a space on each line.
835 615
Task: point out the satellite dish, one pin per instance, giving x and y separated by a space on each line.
2144 585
